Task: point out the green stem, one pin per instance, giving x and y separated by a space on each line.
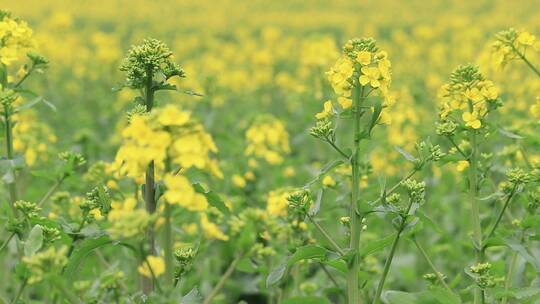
431 265
353 291
51 191
475 212
390 257
501 213
168 245
527 62
20 291
327 236
223 279
4 245
149 189
68 294
510 274
12 187
386 269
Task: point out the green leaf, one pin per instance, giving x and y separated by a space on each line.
519 248
213 198
84 249
338 264
307 252
406 154
34 241
306 300
377 245
192 297
399 297
276 275
324 170
509 134
438 295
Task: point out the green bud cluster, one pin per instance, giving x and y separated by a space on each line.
483 277
416 190
300 203
322 130
28 209
184 260
147 60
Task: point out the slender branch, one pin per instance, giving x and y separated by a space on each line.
529 64
51 191
501 213
458 148
431 265
4 245
223 279
333 145
330 276
396 186
20 291
327 236
508 279
390 257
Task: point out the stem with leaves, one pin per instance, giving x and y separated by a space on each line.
353 291
479 296
149 185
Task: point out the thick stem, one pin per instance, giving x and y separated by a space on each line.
223 279
149 186
353 291
475 209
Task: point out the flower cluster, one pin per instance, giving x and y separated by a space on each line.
469 94
512 44
126 220
15 38
165 133
49 261
181 192
277 202
267 138
363 65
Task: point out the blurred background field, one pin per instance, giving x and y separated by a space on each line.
252 58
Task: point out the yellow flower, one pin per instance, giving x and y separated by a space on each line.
526 38
328 181
238 181
277 202
127 220
180 191
326 112
345 103
157 266
363 57
172 116
211 230
462 165
370 75
471 120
